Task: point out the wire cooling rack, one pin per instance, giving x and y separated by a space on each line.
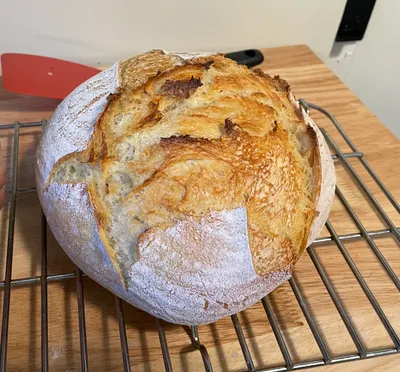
289 364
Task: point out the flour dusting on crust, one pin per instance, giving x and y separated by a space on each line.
189 55
207 266
72 124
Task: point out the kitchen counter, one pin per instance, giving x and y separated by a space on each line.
310 79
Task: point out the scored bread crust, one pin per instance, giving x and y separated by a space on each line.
199 266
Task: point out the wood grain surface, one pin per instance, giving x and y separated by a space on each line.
309 79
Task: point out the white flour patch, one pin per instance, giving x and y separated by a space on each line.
55 352
72 124
200 269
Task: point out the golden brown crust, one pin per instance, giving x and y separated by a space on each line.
280 84
185 139
314 159
135 71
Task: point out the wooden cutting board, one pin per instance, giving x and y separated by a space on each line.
310 79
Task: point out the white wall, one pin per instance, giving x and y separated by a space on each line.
103 31
373 73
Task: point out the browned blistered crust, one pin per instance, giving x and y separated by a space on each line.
198 136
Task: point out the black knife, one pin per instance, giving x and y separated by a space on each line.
248 57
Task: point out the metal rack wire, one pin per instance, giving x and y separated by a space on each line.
289 365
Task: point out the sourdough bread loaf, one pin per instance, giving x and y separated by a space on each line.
186 184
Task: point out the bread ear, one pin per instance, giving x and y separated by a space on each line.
328 176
